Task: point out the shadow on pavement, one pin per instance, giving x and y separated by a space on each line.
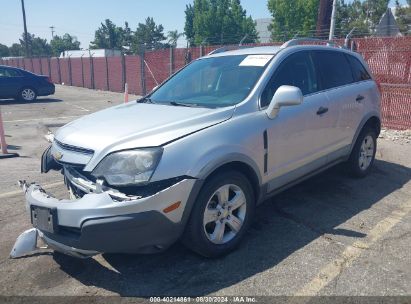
37 101
283 225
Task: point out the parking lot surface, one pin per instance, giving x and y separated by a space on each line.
330 235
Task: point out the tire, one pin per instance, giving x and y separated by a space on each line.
363 154
27 94
205 238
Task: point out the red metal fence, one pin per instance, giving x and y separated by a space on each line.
388 58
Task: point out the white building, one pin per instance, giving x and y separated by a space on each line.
88 53
262 29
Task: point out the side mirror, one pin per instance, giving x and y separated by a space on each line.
284 96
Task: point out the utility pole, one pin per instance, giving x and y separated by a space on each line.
324 18
26 38
52 31
333 16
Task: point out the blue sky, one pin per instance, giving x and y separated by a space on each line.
81 17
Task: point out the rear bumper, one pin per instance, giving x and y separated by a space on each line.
99 223
46 90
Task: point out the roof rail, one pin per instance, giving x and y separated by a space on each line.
219 50
229 48
298 41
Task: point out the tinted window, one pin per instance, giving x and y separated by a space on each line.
358 70
334 69
297 70
9 72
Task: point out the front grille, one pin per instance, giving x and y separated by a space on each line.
73 148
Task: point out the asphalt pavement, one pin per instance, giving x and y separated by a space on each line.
330 235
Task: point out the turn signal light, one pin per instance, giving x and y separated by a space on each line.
172 207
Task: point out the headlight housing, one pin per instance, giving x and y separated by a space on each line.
131 167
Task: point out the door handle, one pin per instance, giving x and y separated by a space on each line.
359 98
322 110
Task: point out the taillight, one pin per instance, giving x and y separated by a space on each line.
379 87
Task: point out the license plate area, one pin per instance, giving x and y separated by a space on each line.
44 219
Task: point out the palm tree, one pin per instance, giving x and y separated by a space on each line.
173 36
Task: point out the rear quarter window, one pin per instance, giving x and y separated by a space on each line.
334 69
358 70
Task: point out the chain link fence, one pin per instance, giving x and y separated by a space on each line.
389 59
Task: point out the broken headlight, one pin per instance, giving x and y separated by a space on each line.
131 167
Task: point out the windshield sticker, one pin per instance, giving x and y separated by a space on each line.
256 60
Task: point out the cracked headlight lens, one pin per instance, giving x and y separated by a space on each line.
131 167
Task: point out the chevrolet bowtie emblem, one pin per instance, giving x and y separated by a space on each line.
58 155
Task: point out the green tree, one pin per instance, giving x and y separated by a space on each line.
108 36
173 37
189 24
218 22
403 14
148 36
4 50
374 9
37 46
127 38
16 50
363 15
292 17
66 42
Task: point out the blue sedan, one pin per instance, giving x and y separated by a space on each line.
20 84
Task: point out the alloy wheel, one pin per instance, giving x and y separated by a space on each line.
28 94
366 153
224 214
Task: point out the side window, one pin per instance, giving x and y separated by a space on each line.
4 72
13 73
358 70
334 69
297 70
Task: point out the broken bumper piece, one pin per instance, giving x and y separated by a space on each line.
27 243
98 223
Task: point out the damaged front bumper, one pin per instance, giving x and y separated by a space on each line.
27 243
103 221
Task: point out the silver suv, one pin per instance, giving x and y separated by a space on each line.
193 159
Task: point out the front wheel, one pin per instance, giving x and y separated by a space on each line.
221 215
363 154
28 94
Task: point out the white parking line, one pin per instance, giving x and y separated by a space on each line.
352 252
80 107
17 192
37 119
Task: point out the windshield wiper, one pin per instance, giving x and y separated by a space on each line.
182 104
145 100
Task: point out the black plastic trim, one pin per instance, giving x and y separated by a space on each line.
74 148
132 233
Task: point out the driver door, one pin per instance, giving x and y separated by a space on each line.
298 137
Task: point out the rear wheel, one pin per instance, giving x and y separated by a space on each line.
28 94
221 215
363 154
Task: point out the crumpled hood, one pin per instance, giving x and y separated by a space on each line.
135 125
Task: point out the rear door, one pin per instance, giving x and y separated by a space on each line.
337 82
298 137
365 89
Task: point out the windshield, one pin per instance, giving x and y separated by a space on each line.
213 82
